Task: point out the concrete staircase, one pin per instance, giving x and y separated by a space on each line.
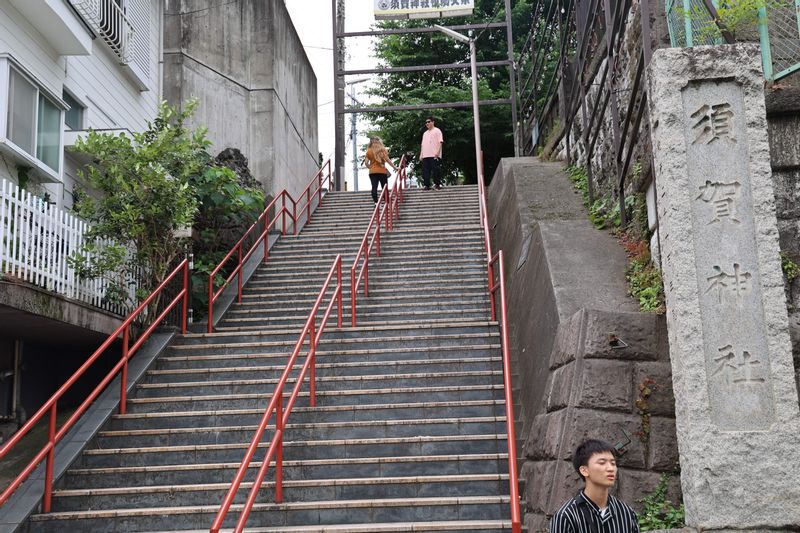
409 429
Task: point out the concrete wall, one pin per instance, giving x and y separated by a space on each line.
257 90
783 119
567 295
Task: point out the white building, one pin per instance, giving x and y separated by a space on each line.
67 66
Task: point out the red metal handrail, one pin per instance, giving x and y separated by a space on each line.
238 249
275 448
386 209
494 289
54 436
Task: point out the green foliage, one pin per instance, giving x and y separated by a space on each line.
144 196
658 512
790 269
580 181
227 209
739 17
644 281
402 130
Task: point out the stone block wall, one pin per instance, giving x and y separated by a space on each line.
599 362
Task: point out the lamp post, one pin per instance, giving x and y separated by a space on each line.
474 69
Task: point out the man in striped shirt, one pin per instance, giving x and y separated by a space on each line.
594 510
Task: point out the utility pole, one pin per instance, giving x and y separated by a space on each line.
354 129
353 136
512 75
337 19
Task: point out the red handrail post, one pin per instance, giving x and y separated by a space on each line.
266 237
312 354
241 274
210 303
279 425
339 292
353 295
366 275
185 309
51 455
123 391
294 216
491 291
283 212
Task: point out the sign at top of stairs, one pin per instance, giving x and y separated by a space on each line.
409 429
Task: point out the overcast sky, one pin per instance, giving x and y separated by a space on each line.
312 19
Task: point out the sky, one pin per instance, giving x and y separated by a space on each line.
312 20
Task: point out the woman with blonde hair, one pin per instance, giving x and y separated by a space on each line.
375 159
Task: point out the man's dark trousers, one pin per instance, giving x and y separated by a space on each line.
431 165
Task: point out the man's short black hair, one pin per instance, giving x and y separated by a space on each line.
586 449
430 118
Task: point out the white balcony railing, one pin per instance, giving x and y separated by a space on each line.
125 27
107 18
36 241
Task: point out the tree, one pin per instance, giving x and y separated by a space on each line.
142 196
402 130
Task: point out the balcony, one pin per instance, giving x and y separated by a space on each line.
125 27
58 24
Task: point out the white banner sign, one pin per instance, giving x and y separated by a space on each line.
420 9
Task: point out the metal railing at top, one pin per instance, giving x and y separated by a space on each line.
322 176
498 289
775 25
55 435
275 449
387 210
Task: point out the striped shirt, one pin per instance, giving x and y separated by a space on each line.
574 517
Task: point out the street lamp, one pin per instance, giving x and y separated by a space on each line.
474 68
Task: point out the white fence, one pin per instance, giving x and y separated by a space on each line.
36 241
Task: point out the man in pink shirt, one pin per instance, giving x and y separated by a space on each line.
431 155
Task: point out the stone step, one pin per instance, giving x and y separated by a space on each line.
296 450
337 368
398 276
271 514
458 393
430 465
365 317
324 383
132 497
371 303
377 296
304 415
395 241
388 250
238 433
443 328
354 355
462 526
396 262
250 342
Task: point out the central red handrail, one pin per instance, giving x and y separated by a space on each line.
386 209
275 449
494 289
322 176
51 405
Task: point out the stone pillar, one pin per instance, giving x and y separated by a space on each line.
736 401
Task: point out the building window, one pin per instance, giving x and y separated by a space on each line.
34 119
73 117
